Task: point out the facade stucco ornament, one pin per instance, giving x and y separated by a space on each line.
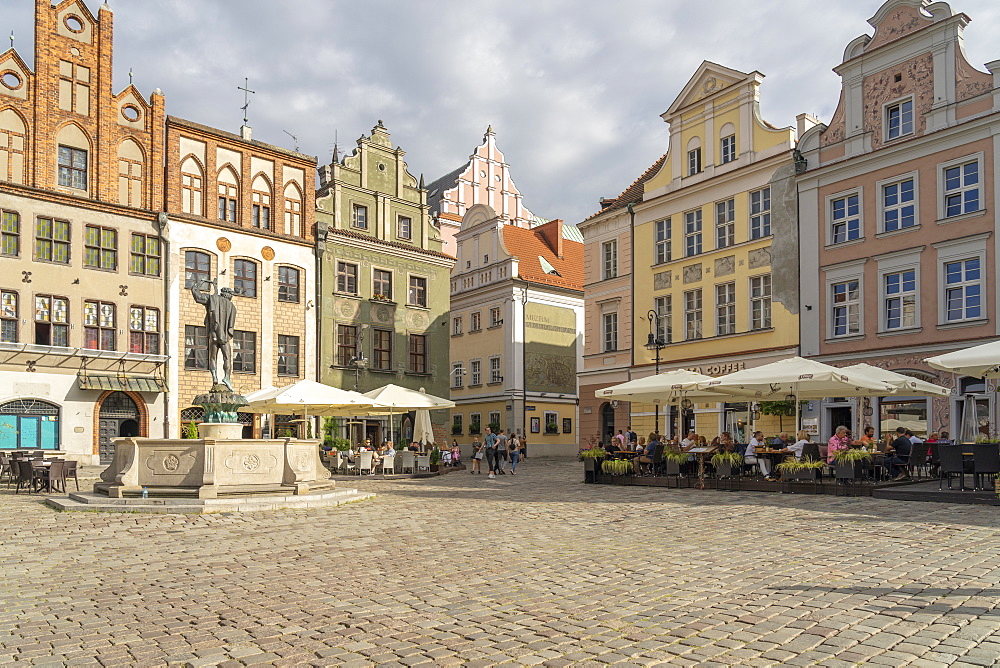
661 280
724 266
692 273
760 258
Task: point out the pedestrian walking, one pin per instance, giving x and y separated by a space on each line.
524 446
514 447
478 452
490 445
502 454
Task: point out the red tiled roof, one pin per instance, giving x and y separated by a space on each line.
632 194
527 245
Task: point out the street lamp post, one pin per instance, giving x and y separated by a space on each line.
655 343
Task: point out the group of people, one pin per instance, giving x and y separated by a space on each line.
450 456
498 449
902 447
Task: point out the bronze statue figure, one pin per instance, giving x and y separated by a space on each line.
220 320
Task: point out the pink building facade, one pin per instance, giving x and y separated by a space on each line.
898 197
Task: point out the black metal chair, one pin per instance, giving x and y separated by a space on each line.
952 464
985 462
657 466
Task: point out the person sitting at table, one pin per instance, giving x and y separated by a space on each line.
645 456
898 456
689 440
868 439
802 439
841 440
780 441
944 438
456 453
640 444
750 456
726 443
414 447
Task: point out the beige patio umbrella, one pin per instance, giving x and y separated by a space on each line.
979 361
307 397
393 399
903 384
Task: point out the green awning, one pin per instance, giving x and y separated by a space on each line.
128 382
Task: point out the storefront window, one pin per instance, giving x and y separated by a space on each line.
906 412
736 421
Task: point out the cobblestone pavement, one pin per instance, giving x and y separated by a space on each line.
532 569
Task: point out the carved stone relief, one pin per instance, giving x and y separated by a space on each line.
692 273
724 266
661 280
760 258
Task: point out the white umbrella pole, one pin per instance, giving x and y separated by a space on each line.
798 409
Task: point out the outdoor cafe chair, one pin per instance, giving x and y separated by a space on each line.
389 464
7 469
69 471
26 476
985 463
423 462
53 479
407 461
364 461
952 464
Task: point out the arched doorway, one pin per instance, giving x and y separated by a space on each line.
607 422
119 417
29 423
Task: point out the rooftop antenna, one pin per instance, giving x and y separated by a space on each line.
246 97
295 139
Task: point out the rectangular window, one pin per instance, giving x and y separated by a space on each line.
760 302
694 161
8 316
73 167
475 423
845 219
725 309
347 344
661 241
496 374
456 326
404 227
347 278
760 213
418 353
725 223
101 248
728 146
609 255
846 312
191 193
245 278
898 206
899 119
381 284
476 378
261 211
417 295
456 374
477 324
244 352
900 299
288 355
52 240
145 255
99 332
692 315
51 321
227 202
381 349
197 269
359 216
494 423
551 422
961 189
288 284
610 332
664 317
495 319
963 290
692 233
456 424
10 233
195 347
144 330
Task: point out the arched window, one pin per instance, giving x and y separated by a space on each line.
191 187
73 158
130 170
293 210
694 156
197 269
228 195
12 146
261 203
29 423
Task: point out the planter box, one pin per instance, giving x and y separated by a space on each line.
848 470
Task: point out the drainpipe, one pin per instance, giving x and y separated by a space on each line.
631 348
161 224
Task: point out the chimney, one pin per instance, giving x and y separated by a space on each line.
552 233
803 122
245 132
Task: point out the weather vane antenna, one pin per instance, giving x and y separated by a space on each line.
246 97
130 76
12 39
294 139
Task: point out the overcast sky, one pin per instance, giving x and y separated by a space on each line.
573 88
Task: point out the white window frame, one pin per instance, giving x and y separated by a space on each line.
662 243
475 372
728 142
830 200
725 223
663 305
883 209
457 372
902 131
725 308
693 235
944 193
694 314
456 326
894 263
762 300
853 270
496 317
355 207
694 161
357 278
609 332
476 322
953 250
399 227
496 369
761 219
609 259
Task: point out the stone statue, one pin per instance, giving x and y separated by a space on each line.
220 320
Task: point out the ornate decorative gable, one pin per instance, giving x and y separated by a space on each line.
708 79
897 18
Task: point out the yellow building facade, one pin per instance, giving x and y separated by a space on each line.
715 249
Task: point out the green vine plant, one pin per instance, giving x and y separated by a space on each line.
792 465
734 459
596 452
617 467
672 455
851 456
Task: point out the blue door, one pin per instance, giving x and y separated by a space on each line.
29 423
29 432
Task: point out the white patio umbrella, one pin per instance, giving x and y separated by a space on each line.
309 398
979 361
904 384
393 399
423 432
801 377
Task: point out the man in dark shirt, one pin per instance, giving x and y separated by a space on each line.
898 457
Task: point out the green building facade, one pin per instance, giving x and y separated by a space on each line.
384 283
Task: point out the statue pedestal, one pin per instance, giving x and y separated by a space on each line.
221 430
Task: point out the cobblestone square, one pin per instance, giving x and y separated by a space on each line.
537 569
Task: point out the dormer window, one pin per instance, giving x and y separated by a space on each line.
899 119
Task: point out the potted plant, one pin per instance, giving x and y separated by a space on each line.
551 428
191 431
617 467
435 458
494 427
456 430
799 469
848 463
727 464
379 297
674 460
